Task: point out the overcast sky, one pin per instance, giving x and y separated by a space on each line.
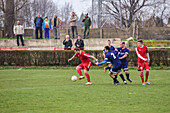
79 6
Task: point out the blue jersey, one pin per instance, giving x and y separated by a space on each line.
122 53
112 56
111 49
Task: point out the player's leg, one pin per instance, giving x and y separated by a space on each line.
88 77
78 68
127 76
108 67
140 68
147 75
86 69
142 78
114 77
125 69
146 66
122 77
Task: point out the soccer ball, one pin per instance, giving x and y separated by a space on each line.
74 78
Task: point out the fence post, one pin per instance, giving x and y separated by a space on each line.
101 33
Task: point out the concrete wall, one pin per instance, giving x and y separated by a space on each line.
42 44
59 58
160 33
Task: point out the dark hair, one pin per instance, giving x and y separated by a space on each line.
109 40
141 41
80 35
77 49
107 48
123 42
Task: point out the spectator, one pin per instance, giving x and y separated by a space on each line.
19 32
56 23
67 43
87 24
73 24
38 26
79 43
46 27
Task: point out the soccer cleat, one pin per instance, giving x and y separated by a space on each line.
88 83
129 80
147 82
81 77
104 69
125 82
116 83
143 84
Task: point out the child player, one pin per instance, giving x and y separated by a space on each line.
86 63
143 60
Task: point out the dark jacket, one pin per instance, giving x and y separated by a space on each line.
67 44
80 43
41 21
87 21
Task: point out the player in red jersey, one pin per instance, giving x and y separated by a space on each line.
86 63
143 60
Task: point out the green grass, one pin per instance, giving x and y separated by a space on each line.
52 91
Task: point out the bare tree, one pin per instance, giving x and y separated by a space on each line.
65 12
130 9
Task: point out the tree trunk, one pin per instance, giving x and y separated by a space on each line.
9 18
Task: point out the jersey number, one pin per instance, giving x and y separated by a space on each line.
114 57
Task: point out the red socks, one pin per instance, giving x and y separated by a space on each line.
79 72
147 74
142 78
88 77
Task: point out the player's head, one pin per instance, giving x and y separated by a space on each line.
122 44
140 43
108 42
107 49
77 50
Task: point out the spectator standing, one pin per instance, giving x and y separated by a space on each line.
19 32
87 24
56 23
38 26
73 24
67 43
79 43
46 27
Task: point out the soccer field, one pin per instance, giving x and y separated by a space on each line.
52 91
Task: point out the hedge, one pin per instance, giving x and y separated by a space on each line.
59 58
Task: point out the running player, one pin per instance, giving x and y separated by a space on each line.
86 63
123 53
143 61
112 56
104 53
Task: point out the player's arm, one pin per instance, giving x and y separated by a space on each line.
94 58
72 58
124 56
147 54
103 62
140 55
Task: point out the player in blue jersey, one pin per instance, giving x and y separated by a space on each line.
104 53
112 57
123 53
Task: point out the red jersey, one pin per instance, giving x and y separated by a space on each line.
83 56
142 53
